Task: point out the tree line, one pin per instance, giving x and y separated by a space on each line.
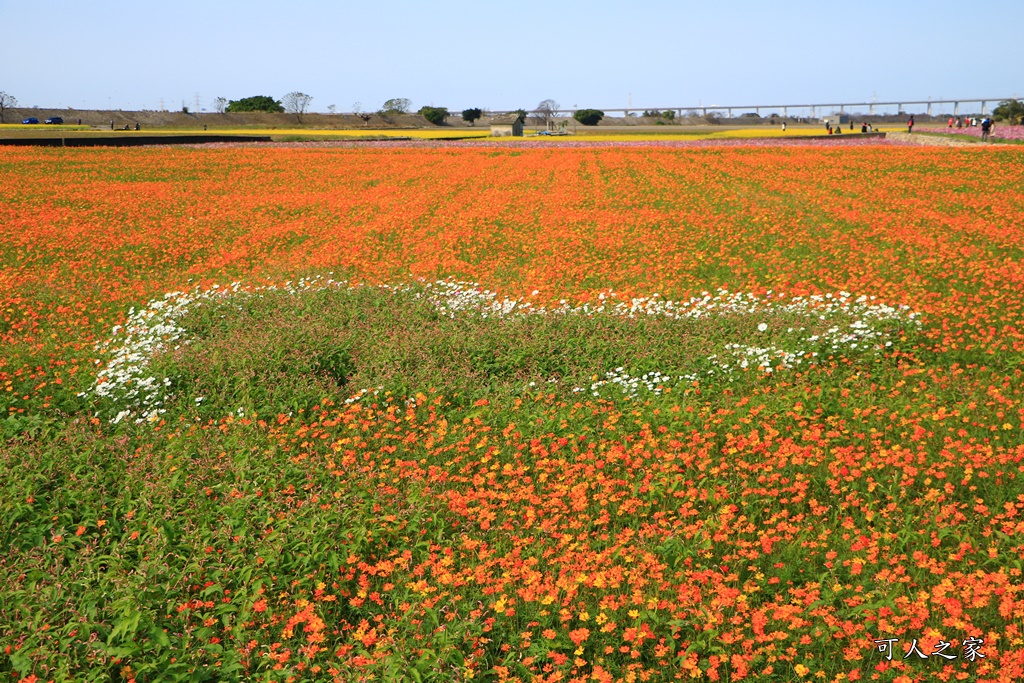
297 103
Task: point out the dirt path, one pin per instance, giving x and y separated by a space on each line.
929 140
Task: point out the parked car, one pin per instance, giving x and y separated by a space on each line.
57 120
30 120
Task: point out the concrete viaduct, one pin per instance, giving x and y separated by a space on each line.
825 107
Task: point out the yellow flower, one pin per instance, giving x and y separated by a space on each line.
801 670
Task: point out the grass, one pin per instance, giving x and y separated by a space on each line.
275 350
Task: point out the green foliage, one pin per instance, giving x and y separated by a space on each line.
281 351
435 115
255 103
471 115
589 117
396 105
655 114
1011 111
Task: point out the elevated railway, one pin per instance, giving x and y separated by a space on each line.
809 109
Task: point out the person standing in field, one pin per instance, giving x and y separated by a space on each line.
950 122
910 124
783 126
986 127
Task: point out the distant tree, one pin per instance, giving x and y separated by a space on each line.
589 117
436 115
6 102
297 103
547 110
331 108
668 114
255 103
357 109
471 115
1011 111
219 104
397 105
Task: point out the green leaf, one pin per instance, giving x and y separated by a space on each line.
159 636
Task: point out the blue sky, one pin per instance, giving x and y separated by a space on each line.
503 55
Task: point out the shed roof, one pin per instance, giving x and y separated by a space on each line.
505 119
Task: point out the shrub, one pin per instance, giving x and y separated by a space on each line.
436 115
471 115
255 103
589 117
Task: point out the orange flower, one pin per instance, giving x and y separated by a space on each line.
579 635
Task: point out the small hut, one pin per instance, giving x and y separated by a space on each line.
506 125
837 118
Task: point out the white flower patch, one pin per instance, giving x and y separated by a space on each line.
860 328
125 378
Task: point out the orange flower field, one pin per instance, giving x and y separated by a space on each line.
382 483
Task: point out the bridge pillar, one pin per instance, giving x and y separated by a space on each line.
929 109
956 109
705 110
785 112
899 108
871 109
814 114
983 103
730 112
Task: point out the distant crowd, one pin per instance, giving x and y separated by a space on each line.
987 124
865 127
